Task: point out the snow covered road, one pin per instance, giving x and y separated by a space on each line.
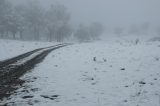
12 48
12 69
94 74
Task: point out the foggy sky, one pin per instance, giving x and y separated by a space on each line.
111 12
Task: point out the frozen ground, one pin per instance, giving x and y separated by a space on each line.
11 48
120 73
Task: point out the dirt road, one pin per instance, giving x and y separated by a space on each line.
12 69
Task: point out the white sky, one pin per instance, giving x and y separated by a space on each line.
112 12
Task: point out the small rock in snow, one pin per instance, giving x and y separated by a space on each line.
122 68
155 78
94 59
142 82
126 86
94 83
125 100
151 83
104 60
56 65
110 66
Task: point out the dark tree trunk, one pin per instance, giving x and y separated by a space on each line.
7 33
36 33
21 35
50 36
14 35
2 34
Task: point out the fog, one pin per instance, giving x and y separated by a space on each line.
79 19
80 52
111 12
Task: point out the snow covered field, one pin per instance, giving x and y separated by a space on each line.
11 48
120 73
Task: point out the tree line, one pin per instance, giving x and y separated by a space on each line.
31 21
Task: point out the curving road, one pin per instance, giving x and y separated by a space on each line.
12 69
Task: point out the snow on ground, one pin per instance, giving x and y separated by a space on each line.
11 48
95 74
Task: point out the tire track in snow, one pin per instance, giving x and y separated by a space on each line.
12 69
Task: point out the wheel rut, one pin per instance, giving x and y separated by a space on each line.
12 69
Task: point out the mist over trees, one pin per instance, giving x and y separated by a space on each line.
57 18
91 32
158 30
6 17
82 33
118 30
140 29
95 30
31 21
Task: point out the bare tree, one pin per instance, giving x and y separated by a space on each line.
34 15
13 23
95 30
31 20
5 11
58 22
82 33
21 20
